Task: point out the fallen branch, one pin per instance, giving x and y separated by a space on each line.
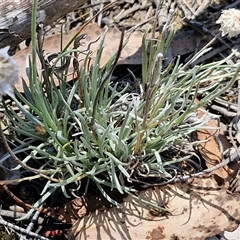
22 230
15 17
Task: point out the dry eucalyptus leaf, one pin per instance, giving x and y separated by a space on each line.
196 210
130 54
184 42
209 148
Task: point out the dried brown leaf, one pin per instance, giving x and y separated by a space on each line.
213 143
131 54
184 42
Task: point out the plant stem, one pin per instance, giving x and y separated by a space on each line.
34 45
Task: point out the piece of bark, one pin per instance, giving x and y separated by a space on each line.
15 17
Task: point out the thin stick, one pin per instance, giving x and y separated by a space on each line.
14 214
22 230
46 211
30 225
198 174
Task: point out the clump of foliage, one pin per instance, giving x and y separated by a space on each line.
90 130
